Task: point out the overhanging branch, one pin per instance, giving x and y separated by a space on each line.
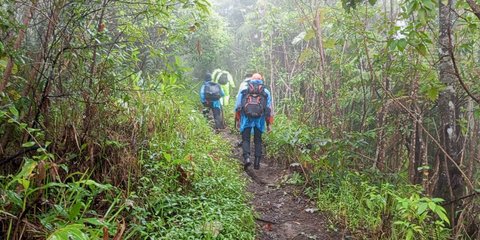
475 8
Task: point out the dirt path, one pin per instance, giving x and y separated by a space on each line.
282 211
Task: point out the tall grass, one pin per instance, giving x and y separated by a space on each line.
189 188
178 180
365 202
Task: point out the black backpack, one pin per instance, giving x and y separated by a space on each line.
223 79
212 91
254 100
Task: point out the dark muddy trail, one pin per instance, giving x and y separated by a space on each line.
282 211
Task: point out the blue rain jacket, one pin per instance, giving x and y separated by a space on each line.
252 122
213 104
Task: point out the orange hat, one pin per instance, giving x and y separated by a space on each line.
257 76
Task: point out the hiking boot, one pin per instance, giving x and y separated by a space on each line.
246 163
256 163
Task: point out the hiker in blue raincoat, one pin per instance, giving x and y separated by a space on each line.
210 95
253 110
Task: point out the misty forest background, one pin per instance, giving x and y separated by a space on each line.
101 131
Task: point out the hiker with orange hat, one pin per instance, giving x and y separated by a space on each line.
253 110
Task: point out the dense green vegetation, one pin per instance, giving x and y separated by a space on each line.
377 102
369 203
101 133
189 187
183 185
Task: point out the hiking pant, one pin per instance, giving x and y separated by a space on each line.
257 140
218 117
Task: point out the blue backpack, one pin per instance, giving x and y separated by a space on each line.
212 91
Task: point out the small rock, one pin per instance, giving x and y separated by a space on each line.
267 227
311 210
279 205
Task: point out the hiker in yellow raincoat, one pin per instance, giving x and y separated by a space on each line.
225 79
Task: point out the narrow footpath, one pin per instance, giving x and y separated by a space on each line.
282 211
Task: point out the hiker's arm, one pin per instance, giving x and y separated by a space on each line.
237 116
230 79
202 95
216 74
268 113
269 99
269 116
238 102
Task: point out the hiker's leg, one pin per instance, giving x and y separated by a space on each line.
246 142
257 139
226 91
206 112
217 116
226 99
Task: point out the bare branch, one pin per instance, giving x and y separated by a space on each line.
475 8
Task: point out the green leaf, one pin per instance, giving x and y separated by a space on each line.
167 157
94 221
328 43
422 49
437 200
442 213
421 208
305 55
310 34
32 130
91 183
13 111
27 169
14 197
413 6
28 144
70 232
443 216
401 44
372 2
430 5
25 183
203 6
432 93
473 26
409 234
391 44
3 63
75 210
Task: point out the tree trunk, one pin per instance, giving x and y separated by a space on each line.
90 108
21 35
450 182
416 144
380 149
321 68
